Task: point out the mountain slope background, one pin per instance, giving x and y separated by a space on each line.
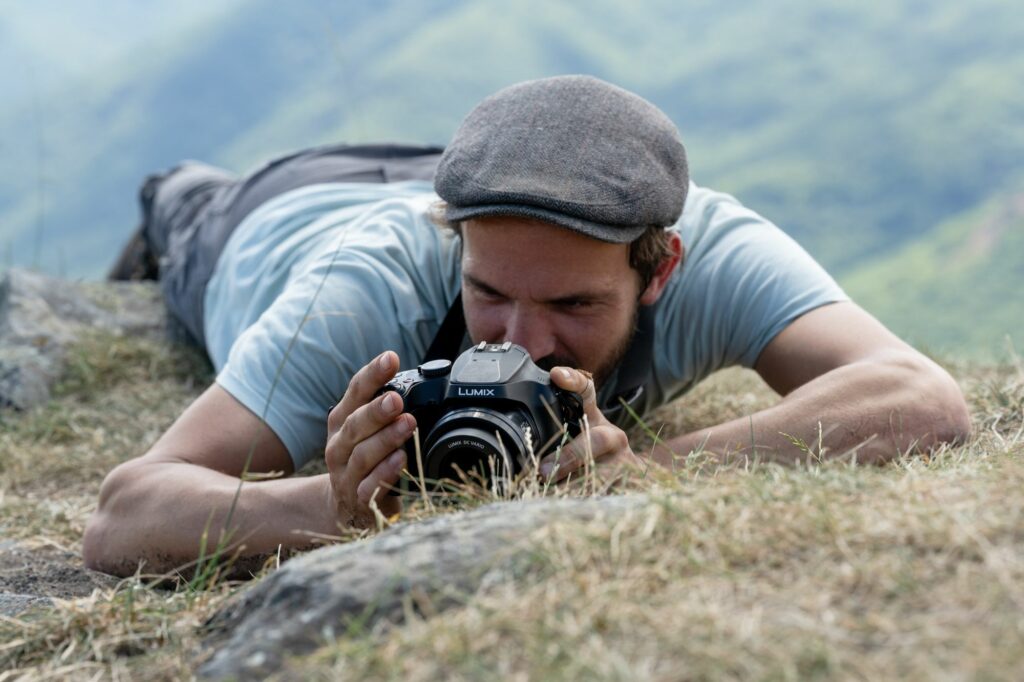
959 287
881 137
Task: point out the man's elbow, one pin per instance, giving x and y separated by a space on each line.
97 542
92 544
941 413
957 420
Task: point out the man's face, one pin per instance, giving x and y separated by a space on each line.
568 299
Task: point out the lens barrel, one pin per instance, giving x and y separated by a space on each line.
478 442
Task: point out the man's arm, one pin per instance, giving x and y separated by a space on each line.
848 383
156 509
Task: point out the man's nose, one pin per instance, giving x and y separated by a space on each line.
530 330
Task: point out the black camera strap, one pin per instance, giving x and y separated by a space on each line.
448 341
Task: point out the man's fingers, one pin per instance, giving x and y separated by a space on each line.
364 433
580 382
604 442
370 451
363 423
574 380
384 476
367 381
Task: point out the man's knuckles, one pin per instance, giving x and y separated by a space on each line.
367 453
385 475
363 426
334 453
599 441
617 440
336 419
370 418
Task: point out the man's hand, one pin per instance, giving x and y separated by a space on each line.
364 440
602 443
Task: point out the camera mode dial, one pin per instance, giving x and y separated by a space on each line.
435 368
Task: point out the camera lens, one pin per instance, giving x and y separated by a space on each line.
470 451
478 442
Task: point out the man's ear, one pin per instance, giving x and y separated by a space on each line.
665 269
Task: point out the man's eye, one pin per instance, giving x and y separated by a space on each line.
490 296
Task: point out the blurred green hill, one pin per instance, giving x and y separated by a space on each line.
958 288
860 128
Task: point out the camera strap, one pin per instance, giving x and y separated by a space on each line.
448 341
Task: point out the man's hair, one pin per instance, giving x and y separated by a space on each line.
646 252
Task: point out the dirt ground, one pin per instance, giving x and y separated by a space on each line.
29 576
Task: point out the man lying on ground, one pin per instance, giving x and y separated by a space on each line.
571 228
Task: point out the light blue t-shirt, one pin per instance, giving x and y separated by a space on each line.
318 281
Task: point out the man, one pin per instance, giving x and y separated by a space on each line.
558 193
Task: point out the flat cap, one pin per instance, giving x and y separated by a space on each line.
571 150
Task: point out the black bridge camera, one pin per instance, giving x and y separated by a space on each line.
482 416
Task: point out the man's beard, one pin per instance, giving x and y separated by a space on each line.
605 370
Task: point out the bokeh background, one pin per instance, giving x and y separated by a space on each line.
888 138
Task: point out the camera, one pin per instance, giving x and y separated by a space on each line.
484 415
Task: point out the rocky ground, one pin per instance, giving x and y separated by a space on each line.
41 320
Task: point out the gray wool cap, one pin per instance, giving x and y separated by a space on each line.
571 150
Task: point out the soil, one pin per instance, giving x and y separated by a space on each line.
29 576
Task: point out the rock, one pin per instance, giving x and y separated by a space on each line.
41 316
313 598
15 604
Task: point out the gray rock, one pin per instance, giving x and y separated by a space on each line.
315 598
41 316
12 605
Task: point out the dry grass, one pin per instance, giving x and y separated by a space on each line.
777 574
821 571
117 396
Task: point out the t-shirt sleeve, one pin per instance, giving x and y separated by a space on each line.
295 362
742 282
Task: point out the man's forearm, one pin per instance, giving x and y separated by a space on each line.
156 513
873 410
